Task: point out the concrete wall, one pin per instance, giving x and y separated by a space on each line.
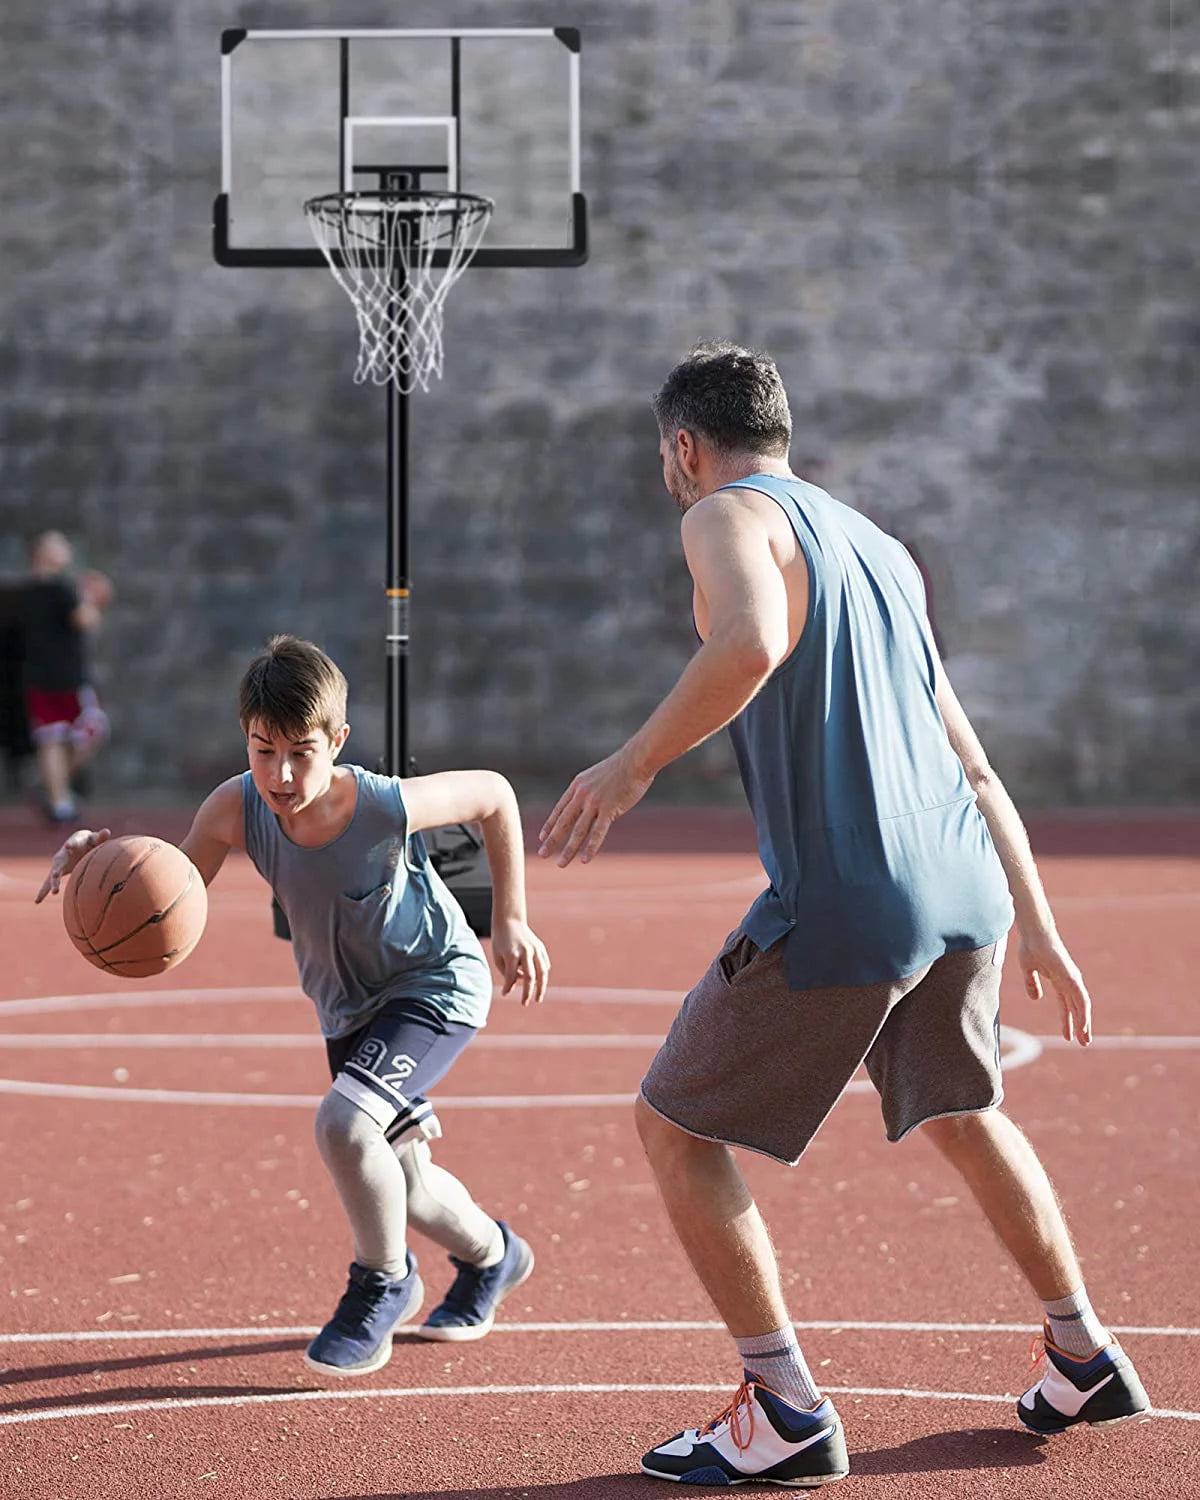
965 228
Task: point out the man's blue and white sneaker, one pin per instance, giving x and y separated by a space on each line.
1101 1389
469 1308
358 1338
758 1438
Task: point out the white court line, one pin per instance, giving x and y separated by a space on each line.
300 1101
178 1403
58 1041
654 1325
271 994
1023 1049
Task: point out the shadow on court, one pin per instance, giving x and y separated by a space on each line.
82 1369
972 1449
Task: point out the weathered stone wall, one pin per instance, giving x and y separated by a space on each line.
965 228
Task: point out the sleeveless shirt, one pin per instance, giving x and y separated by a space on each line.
371 919
878 857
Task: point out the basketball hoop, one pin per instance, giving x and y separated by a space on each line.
396 252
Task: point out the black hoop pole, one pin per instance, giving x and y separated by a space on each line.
396 740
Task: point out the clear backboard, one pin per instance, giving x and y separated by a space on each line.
489 111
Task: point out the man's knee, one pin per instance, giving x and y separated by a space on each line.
955 1135
662 1140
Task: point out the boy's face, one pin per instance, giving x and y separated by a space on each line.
291 774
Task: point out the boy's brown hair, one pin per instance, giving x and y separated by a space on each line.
291 689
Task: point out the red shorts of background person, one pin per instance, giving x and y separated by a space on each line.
73 715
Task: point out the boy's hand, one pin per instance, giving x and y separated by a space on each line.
79 844
520 954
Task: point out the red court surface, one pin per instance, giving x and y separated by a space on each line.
170 1241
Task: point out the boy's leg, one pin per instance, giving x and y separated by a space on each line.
369 1181
490 1259
377 1100
442 1209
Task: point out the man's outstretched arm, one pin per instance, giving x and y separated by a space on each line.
742 592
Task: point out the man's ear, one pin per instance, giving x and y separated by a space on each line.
339 740
688 451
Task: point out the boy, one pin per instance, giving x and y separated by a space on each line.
399 980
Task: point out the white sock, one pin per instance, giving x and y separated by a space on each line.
1074 1326
776 1359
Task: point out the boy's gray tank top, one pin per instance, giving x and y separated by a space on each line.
878 857
371 920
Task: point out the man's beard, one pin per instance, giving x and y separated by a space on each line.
684 491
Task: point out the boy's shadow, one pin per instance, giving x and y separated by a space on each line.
34 1374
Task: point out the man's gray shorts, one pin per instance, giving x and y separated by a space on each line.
752 1063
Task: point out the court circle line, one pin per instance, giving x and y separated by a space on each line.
1024 1049
276 1398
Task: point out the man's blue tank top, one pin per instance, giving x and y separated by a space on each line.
371 920
878 857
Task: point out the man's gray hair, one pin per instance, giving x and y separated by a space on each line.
730 396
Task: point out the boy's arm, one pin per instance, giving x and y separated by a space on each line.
216 828
1041 953
486 798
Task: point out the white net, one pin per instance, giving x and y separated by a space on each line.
396 255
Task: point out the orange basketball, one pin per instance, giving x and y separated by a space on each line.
135 906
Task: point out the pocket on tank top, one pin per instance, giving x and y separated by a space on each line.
378 939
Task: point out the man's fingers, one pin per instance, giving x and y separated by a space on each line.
582 826
1033 984
550 831
48 885
597 836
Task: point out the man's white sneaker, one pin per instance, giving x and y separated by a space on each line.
1102 1388
758 1438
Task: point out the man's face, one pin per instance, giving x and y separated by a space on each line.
291 774
682 489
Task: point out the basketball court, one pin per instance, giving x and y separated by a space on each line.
171 1239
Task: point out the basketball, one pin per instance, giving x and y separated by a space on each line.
135 906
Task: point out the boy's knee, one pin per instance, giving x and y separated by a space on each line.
342 1127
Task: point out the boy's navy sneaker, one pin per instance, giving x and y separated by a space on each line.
358 1338
758 1439
469 1307
1100 1389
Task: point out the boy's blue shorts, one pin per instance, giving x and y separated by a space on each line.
387 1066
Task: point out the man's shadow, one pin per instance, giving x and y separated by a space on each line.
973 1449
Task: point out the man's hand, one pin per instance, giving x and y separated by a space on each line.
520 954
590 806
1043 958
68 857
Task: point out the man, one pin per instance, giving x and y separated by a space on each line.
66 722
891 848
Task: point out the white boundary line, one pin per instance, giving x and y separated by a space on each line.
655 1325
176 1403
41 1005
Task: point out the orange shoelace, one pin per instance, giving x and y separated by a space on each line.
1037 1350
743 1400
